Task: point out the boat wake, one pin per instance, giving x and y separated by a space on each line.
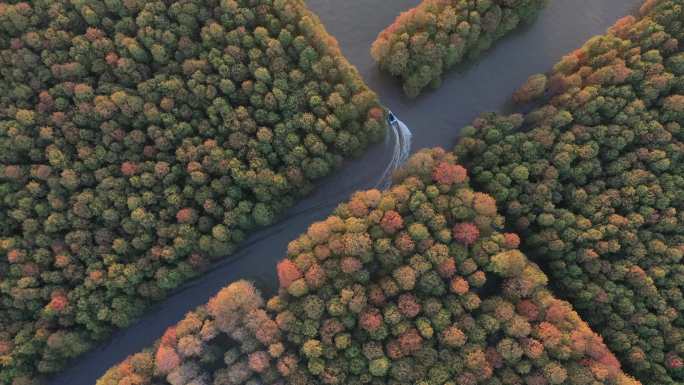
402 149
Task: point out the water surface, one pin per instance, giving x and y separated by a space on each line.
434 119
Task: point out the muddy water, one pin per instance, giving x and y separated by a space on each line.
434 119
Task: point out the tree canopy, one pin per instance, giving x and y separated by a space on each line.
593 180
141 140
425 42
413 285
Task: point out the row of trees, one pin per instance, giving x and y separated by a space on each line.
413 285
594 182
140 140
428 40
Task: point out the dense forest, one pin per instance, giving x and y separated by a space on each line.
414 285
141 140
428 40
593 181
